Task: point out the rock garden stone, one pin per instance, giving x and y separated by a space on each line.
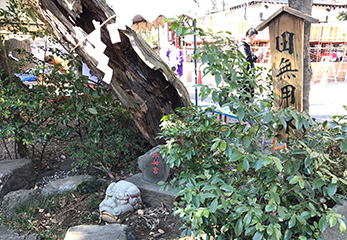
93 232
63 185
13 235
15 198
16 174
151 194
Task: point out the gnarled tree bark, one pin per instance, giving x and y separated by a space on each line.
141 81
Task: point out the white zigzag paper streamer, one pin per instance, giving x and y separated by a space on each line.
113 29
98 53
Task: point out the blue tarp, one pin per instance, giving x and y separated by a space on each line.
29 79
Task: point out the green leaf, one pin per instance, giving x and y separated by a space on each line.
222 146
224 228
332 221
288 235
301 183
92 111
215 145
268 117
179 30
343 181
294 180
215 96
247 142
214 205
314 155
209 187
189 197
258 236
228 151
332 189
245 164
240 113
270 208
267 161
236 156
342 226
240 167
208 195
318 183
196 201
227 188
210 59
240 210
308 161
218 79
343 146
206 213
247 219
292 221
281 212
277 163
301 219
322 224
259 164
238 228
276 197
80 105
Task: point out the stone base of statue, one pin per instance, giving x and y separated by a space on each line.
151 194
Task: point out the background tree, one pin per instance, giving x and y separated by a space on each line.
305 6
141 81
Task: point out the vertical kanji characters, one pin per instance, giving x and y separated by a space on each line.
286 43
155 162
287 96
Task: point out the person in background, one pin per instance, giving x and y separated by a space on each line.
175 59
245 48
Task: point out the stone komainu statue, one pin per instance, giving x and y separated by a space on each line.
121 197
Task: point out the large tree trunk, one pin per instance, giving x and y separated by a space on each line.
141 81
305 6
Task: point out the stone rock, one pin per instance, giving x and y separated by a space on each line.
13 235
153 166
63 185
92 232
151 194
333 233
15 198
16 174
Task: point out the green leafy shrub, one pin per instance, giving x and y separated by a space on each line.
232 186
109 141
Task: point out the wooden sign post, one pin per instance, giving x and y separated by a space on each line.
286 28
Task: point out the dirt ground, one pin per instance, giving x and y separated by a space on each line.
146 223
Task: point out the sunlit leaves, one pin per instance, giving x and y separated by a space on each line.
259 193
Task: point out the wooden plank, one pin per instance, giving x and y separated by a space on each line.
286 43
287 67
